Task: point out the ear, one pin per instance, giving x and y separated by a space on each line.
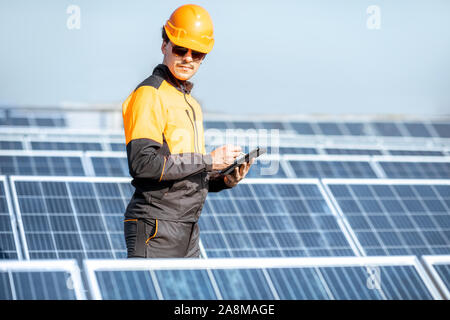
164 47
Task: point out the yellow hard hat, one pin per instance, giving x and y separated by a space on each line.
190 26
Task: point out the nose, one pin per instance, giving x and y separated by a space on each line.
188 56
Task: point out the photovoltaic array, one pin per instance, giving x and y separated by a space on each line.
349 190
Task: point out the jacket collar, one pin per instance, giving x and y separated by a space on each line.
161 70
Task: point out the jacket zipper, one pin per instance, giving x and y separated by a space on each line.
194 128
194 124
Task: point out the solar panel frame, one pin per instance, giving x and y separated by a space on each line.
263 264
431 262
48 266
12 218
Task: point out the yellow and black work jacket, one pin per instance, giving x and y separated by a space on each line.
166 154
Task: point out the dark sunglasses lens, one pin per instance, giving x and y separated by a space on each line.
198 55
179 51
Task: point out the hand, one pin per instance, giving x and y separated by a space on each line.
224 156
238 174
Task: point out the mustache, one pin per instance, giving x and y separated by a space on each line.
185 65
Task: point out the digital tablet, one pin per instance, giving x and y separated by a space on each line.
245 158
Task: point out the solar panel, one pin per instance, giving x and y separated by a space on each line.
332 169
297 150
417 129
245 125
329 128
59 146
118 147
439 269
425 153
39 163
9 240
414 169
387 129
273 125
116 166
442 129
356 128
40 280
260 218
11 145
261 278
370 152
303 128
219 125
395 217
27 118
61 217
267 168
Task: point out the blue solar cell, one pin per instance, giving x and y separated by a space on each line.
416 129
403 283
443 271
356 129
369 152
185 284
11 145
221 125
294 150
243 125
302 128
266 169
243 284
110 166
39 286
442 129
118 147
387 129
329 128
272 125
298 284
349 283
126 285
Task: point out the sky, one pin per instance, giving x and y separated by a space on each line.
270 57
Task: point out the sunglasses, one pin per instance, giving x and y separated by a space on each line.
181 52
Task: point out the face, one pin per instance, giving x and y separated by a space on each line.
183 67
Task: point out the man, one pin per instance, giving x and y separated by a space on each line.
166 154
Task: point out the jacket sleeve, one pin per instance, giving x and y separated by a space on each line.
144 122
216 182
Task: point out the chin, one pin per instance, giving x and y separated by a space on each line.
182 77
